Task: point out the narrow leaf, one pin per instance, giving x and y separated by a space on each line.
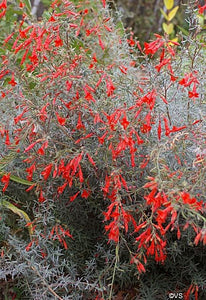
28 5
164 14
18 212
173 41
169 4
186 32
168 28
18 179
172 13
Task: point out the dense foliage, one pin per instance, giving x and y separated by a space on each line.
103 160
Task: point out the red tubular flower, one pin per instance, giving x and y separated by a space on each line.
163 214
126 218
41 197
159 130
188 79
162 63
192 288
175 129
58 42
84 138
160 256
140 268
192 202
85 194
34 58
107 214
124 122
104 3
46 172
61 120
19 117
62 188
3 6
5 179
21 4
80 174
197 238
80 125
88 96
41 150
193 93
91 160
31 187
145 128
58 232
178 233
101 43
30 171
8 38
110 87
7 140
69 85
153 47
74 197
24 56
28 247
202 9
12 81
102 138
123 69
43 113
167 129
113 231
172 75
31 146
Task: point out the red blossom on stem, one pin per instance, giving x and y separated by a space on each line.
5 179
3 7
61 120
104 3
7 140
153 47
41 197
12 81
30 170
58 232
124 122
193 94
58 42
72 198
201 9
110 87
46 172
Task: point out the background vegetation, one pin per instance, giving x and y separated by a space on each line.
103 157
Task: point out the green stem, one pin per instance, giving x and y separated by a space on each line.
114 271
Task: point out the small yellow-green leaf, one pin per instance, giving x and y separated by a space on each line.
169 4
168 28
164 14
175 40
18 212
172 13
200 19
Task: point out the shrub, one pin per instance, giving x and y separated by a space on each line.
109 138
